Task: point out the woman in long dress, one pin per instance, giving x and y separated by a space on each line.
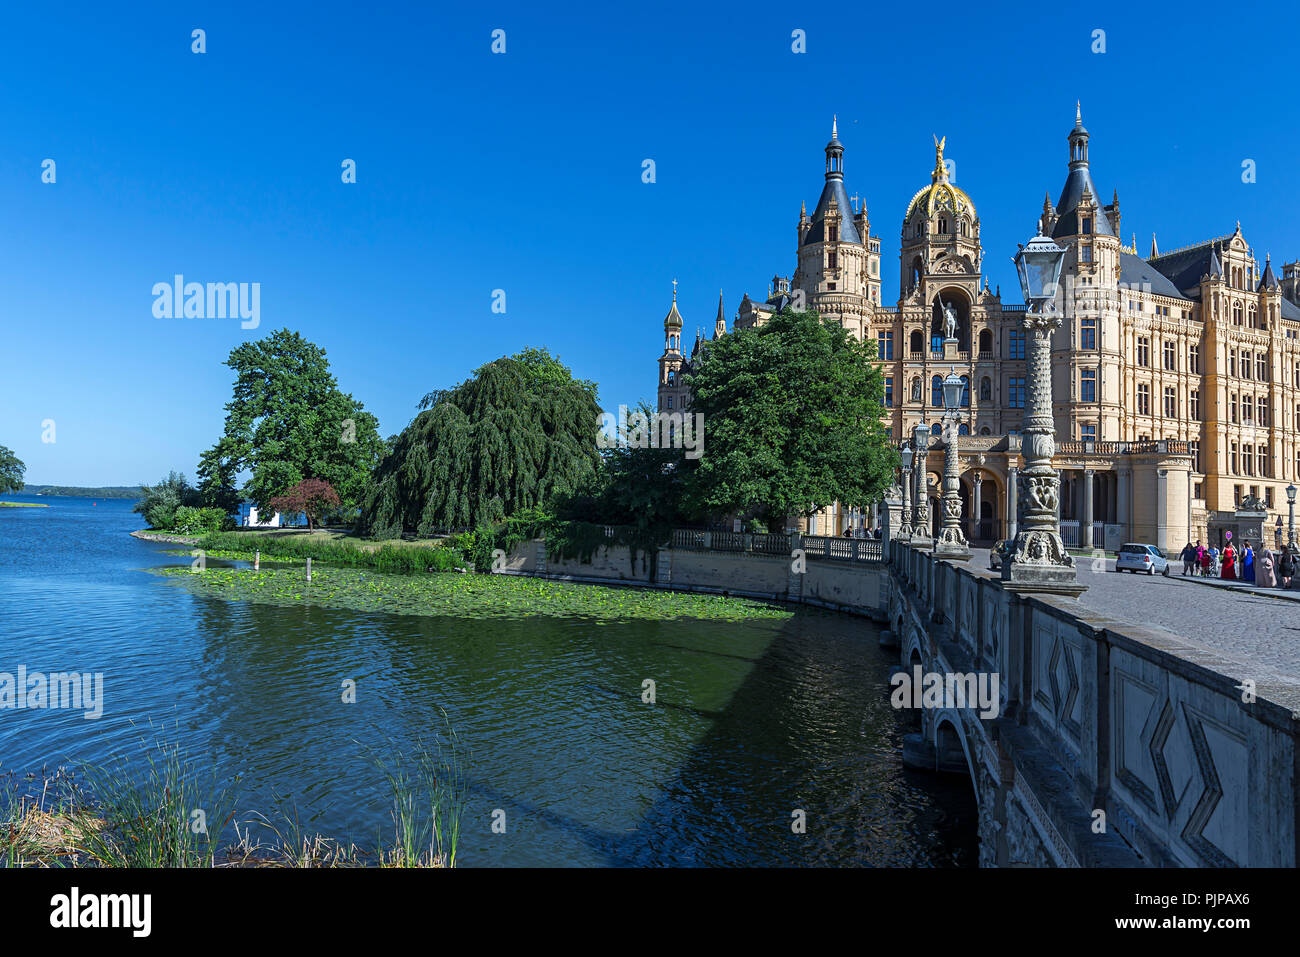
1229 564
1267 578
1248 564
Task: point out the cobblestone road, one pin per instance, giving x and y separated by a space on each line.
1264 632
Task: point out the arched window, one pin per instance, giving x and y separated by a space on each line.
936 392
986 340
916 342
963 429
936 429
943 226
986 431
986 389
1252 317
672 377
965 392
1236 313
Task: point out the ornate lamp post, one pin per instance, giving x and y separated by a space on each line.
920 500
952 542
905 461
1037 559
1290 522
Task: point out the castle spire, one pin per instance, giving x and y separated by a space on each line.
720 324
1155 250
834 153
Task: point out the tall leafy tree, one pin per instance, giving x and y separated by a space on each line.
12 471
793 420
517 434
289 421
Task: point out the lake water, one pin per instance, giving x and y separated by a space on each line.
752 721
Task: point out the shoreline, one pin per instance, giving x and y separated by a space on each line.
147 536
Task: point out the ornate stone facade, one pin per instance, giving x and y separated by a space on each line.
1175 377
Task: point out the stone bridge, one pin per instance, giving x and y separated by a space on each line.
1115 744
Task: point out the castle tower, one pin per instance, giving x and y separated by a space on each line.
839 261
940 254
672 393
1087 349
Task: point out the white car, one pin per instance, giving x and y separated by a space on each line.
1142 558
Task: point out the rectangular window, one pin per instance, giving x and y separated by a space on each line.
1194 360
1088 333
885 345
1198 490
1144 351
1232 406
1016 392
889 391
1144 399
1088 433
1087 385
1261 367
1194 404
1263 413
1171 362
1195 448
1017 348
1232 466
1085 225
1171 403
830 259
1268 496
1245 365
1248 459
1261 454
1085 253
1232 362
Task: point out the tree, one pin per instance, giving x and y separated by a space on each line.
288 421
160 503
311 496
12 471
517 434
793 420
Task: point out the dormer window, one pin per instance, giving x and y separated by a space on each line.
943 226
835 233
1085 225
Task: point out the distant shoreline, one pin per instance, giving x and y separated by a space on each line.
23 505
145 535
128 492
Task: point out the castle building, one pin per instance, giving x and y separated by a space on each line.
1175 376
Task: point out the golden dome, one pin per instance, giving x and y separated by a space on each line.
940 195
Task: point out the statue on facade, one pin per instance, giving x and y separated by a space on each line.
949 320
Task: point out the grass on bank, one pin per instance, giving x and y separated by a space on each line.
463 596
335 548
165 815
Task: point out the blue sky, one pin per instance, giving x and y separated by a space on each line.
522 172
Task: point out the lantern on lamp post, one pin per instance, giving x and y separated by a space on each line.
952 541
1037 559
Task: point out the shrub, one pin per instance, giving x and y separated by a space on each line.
160 502
199 521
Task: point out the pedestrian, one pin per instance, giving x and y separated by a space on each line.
1267 576
1229 572
1214 560
1286 567
1247 563
1189 558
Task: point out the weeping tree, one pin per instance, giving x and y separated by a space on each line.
517 434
